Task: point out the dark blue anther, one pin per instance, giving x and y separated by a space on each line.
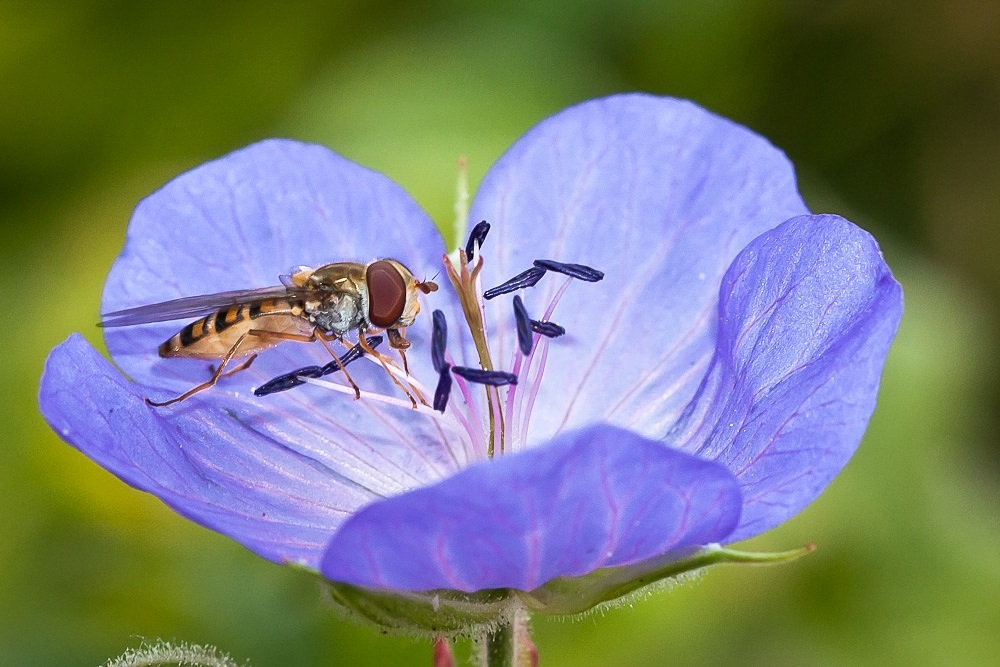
524 335
524 279
443 388
288 380
353 354
439 340
294 379
476 238
578 271
479 376
547 329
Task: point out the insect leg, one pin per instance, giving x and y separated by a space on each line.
242 367
385 361
399 343
316 334
215 376
343 369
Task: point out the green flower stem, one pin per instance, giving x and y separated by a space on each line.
501 646
510 645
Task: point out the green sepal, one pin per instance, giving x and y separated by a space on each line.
576 595
435 613
453 613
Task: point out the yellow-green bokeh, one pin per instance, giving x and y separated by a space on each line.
891 118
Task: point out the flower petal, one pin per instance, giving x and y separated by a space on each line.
600 497
661 196
241 221
281 501
281 504
807 315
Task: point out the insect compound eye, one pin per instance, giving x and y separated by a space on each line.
386 293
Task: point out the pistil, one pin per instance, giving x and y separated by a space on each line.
465 282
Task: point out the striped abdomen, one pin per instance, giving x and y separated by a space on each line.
214 335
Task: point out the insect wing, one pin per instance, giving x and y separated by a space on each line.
194 306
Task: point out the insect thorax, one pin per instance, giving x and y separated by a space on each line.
337 313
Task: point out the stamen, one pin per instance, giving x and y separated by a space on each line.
529 370
476 238
524 279
479 376
371 396
439 341
578 271
524 334
288 381
443 390
471 416
547 329
297 377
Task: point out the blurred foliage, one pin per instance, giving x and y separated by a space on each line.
890 117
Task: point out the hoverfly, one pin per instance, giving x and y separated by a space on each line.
322 304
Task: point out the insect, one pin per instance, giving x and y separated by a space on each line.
324 304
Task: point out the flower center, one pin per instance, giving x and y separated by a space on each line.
510 394
464 278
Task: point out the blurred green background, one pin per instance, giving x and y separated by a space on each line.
890 115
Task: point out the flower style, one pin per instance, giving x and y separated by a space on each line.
706 390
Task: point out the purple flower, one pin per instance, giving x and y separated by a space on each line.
706 390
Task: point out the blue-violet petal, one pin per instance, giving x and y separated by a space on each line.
661 196
599 497
807 313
